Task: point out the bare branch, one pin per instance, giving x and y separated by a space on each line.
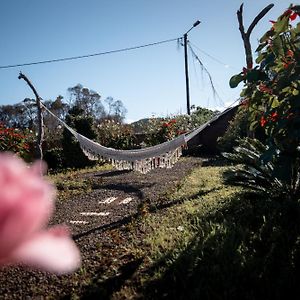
40 136
258 18
246 35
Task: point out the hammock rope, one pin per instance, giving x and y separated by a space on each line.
163 155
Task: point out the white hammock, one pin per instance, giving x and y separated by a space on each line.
164 155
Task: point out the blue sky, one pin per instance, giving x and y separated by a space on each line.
149 81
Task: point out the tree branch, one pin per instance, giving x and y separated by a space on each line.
258 18
246 35
40 136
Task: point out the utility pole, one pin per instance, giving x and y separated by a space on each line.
185 41
188 105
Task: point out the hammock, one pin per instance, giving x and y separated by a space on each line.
164 155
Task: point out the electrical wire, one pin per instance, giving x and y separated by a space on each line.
215 93
214 58
88 55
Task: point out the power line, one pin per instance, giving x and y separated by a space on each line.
88 55
215 93
214 58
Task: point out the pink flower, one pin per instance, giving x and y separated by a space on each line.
26 204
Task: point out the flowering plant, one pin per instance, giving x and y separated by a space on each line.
273 99
11 139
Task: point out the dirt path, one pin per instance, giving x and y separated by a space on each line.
98 221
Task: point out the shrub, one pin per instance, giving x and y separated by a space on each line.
272 91
236 130
12 139
111 133
54 158
160 130
73 155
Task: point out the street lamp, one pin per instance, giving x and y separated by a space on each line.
185 40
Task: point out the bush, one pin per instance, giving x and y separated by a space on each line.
12 139
272 93
160 130
111 133
236 130
54 158
73 155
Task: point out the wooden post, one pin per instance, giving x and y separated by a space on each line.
40 136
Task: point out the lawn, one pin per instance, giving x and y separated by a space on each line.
197 239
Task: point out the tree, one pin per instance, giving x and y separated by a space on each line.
87 100
116 109
73 155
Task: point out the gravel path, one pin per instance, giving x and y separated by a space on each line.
98 221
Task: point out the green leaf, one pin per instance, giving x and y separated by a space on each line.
253 125
281 25
235 80
297 29
266 36
255 75
260 58
261 46
275 102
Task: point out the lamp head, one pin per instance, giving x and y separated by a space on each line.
196 23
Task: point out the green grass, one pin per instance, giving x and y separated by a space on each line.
217 242
74 181
205 240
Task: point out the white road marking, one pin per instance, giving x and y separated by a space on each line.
126 200
79 222
89 214
108 200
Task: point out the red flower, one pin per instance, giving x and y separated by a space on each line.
274 116
290 53
263 121
288 12
292 15
263 88
244 102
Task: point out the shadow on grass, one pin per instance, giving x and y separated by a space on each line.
129 218
103 289
249 249
128 188
112 173
172 202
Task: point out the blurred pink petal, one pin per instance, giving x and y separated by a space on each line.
51 250
26 204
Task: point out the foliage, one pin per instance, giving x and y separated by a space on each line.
54 157
219 242
87 100
254 173
90 102
73 155
236 130
12 139
111 133
272 92
159 130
